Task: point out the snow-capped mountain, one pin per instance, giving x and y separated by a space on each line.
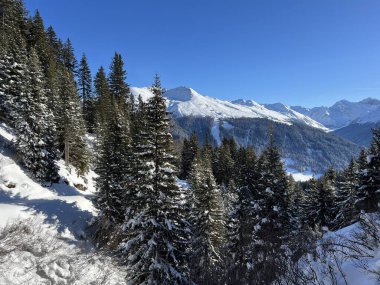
295 116
344 113
184 102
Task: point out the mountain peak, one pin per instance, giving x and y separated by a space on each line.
370 101
181 94
244 102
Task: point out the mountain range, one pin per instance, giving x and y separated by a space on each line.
311 139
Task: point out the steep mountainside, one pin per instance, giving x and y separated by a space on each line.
360 134
303 148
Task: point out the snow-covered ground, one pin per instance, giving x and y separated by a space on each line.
43 228
344 258
297 175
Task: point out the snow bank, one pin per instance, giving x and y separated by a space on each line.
61 203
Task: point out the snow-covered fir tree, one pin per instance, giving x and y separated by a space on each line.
113 168
271 223
208 222
368 192
70 124
326 198
347 185
155 229
35 128
310 205
13 58
240 217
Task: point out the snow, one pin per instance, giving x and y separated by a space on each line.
184 101
344 112
43 228
33 252
11 213
61 203
351 271
215 132
295 116
300 176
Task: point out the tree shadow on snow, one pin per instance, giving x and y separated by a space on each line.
61 213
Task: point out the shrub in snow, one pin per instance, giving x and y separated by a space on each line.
32 252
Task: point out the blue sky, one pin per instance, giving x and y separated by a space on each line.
299 52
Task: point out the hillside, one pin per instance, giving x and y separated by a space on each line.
52 232
303 148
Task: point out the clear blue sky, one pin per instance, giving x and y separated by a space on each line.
299 52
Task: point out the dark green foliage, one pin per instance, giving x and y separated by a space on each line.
369 176
85 89
208 224
271 223
114 169
189 151
308 147
223 162
38 39
71 126
103 96
116 79
326 198
68 57
240 217
346 194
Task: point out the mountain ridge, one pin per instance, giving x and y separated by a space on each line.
185 101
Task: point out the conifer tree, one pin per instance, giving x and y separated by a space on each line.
103 95
116 79
310 204
369 190
326 198
71 126
155 228
13 59
35 128
345 197
208 225
113 168
223 165
189 151
54 41
271 224
240 217
68 57
39 40
85 88
208 150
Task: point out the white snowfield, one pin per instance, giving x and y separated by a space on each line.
43 229
184 101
